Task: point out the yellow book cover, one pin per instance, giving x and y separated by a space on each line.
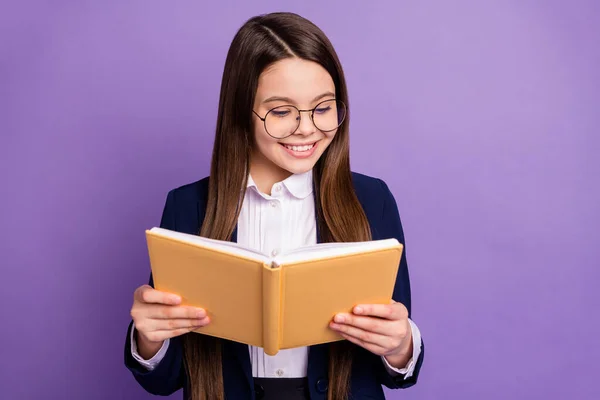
272 302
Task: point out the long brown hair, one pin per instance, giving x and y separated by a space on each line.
260 42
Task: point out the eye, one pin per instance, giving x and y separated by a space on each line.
322 110
280 113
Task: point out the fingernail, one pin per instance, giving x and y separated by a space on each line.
201 313
339 318
358 310
175 299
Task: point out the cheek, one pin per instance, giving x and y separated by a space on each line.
329 136
264 143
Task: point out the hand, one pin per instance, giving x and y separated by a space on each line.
158 316
383 329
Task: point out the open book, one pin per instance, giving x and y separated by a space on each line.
277 302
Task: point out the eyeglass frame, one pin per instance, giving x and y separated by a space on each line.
312 112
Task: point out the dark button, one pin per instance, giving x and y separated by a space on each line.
322 385
259 391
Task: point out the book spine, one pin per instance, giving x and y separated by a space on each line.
271 309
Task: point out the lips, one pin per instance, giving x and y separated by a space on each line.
299 148
300 151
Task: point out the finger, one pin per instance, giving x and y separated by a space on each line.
373 348
159 336
159 311
175 324
372 324
363 336
392 311
147 294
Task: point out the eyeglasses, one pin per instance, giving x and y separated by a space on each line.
283 121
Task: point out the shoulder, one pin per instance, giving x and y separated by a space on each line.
370 188
379 205
184 207
188 196
191 192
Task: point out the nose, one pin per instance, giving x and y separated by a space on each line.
306 127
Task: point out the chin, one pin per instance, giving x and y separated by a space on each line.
297 167
299 170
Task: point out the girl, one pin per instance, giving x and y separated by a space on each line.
280 178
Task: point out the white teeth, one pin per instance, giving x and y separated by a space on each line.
300 148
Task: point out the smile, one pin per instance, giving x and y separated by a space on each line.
301 148
300 151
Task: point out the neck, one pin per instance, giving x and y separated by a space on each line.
265 174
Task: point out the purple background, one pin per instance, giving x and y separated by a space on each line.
482 118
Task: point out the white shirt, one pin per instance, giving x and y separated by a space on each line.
273 224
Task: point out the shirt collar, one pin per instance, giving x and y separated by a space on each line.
299 185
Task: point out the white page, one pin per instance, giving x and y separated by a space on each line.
325 250
228 247
317 251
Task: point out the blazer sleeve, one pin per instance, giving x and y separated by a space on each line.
391 227
168 376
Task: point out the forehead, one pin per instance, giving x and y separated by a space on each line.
295 78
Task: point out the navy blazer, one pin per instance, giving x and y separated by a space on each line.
184 212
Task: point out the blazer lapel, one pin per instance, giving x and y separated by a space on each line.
317 355
241 351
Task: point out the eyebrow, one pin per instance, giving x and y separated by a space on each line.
288 100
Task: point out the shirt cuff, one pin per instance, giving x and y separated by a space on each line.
153 362
409 369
